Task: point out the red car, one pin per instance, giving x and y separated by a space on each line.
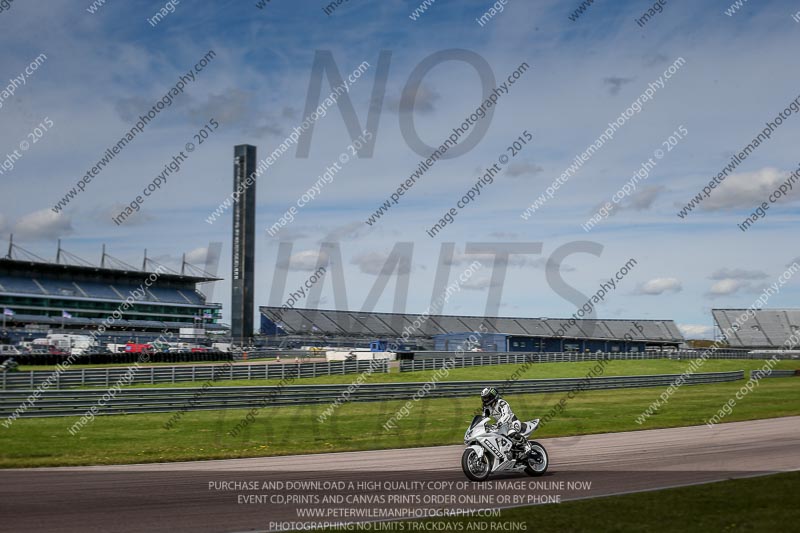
137 348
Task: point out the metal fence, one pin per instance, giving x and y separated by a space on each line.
466 360
758 374
106 377
77 402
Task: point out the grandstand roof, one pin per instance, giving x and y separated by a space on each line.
768 328
391 325
14 266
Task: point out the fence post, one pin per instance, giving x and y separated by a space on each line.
249 371
212 372
108 377
231 378
314 370
152 375
4 380
173 374
193 369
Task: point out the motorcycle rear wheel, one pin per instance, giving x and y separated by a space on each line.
538 460
475 468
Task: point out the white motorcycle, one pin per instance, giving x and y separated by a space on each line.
489 451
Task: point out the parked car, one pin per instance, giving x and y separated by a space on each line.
9 349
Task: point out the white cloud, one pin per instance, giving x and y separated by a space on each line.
199 256
730 281
478 283
43 224
659 286
307 260
745 190
644 199
696 331
725 287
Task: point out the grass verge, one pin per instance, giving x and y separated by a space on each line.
504 372
359 426
767 503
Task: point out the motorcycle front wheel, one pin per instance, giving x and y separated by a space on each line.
475 468
538 460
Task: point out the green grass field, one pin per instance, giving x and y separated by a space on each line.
767 503
504 372
359 426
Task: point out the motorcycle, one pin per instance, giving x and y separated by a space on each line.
490 451
9 365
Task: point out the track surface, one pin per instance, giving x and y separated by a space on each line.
191 496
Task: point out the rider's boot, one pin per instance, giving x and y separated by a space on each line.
517 444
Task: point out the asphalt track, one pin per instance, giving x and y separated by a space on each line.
210 496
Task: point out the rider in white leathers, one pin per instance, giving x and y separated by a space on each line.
499 409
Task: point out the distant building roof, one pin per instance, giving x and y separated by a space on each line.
392 325
767 328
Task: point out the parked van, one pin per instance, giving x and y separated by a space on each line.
9 350
72 344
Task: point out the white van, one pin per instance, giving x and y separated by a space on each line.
9 350
72 344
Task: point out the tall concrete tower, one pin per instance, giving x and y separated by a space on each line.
244 243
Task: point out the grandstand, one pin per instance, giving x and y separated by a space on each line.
447 332
767 329
40 296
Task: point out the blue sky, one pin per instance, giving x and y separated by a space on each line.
104 68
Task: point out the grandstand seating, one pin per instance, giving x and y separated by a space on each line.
768 328
168 295
19 284
97 290
91 289
121 323
81 297
390 325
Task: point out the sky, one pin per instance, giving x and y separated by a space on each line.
105 64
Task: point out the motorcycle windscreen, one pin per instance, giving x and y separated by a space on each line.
476 419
